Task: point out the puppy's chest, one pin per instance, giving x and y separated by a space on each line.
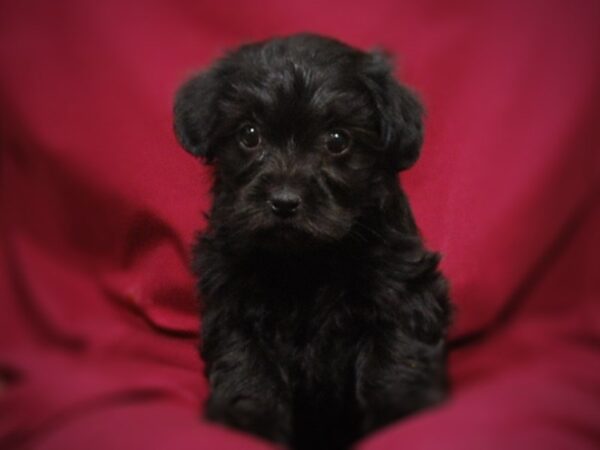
316 336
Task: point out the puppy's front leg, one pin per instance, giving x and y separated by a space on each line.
397 375
247 390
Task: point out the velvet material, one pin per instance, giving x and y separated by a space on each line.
98 206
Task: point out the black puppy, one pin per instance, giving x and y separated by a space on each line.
323 316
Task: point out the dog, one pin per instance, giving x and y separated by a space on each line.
323 315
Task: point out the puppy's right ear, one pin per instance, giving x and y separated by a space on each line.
400 112
195 114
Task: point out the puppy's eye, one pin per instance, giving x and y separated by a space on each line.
249 136
338 141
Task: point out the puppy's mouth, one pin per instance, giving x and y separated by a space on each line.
294 233
285 234
282 229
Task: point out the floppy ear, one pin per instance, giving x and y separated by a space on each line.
400 113
195 114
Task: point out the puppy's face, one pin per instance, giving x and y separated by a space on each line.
305 134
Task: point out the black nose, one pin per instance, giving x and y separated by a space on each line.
284 203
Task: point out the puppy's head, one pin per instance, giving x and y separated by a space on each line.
306 135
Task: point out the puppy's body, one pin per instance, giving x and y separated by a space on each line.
323 315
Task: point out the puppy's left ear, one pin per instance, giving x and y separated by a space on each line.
195 114
400 112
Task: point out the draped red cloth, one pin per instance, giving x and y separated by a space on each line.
99 205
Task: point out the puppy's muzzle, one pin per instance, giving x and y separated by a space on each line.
284 202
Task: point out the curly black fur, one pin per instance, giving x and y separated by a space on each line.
323 324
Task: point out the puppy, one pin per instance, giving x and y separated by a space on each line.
323 315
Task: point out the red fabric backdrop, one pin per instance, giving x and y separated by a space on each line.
98 324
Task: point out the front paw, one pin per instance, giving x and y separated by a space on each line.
248 413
